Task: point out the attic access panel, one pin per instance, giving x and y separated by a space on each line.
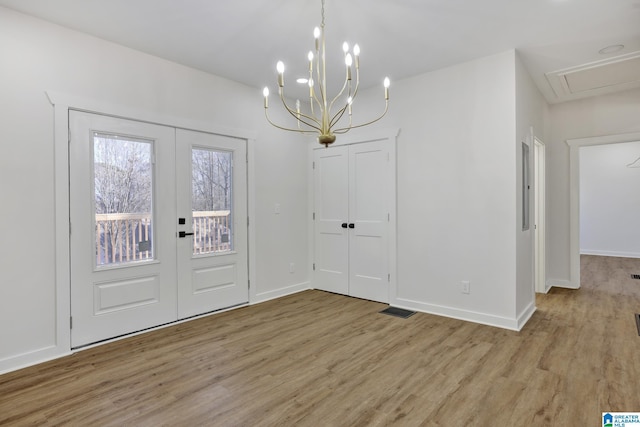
597 78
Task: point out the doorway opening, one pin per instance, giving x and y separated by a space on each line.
574 196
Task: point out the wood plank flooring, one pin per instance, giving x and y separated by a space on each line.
319 359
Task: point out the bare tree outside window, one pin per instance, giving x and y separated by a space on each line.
211 180
211 200
123 189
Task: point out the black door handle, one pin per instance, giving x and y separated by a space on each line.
352 225
184 234
344 225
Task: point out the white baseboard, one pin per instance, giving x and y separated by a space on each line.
526 314
281 292
31 358
45 354
562 283
617 254
513 324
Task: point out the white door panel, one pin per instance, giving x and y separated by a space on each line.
212 263
122 250
332 211
368 211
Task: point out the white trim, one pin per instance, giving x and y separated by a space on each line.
369 135
514 324
539 244
108 109
574 196
31 358
310 210
251 215
281 292
617 254
61 344
526 314
560 283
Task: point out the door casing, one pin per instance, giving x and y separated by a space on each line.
123 298
539 160
62 103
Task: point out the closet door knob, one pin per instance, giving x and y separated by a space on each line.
344 225
352 225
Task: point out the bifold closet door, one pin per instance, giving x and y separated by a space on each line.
352 185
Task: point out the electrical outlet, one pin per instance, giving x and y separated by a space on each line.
465 287
292 267
276 208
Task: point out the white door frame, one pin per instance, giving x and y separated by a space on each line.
62 103
574 195
539 168
387 134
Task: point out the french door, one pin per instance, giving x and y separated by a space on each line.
352 190
157 217
212 256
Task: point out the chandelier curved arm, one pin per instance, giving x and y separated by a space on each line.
344 86
338 116
266 114
347 129
320 101
297 116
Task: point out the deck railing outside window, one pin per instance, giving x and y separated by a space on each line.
127 237
211 232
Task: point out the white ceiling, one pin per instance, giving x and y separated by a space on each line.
242 39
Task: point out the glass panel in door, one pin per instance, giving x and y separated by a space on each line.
211 204
122 194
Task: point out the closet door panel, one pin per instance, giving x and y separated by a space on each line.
369 214
331 217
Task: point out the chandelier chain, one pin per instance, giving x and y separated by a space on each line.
322 22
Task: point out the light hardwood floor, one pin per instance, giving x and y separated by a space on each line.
319 359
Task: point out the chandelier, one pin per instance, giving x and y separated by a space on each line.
317 117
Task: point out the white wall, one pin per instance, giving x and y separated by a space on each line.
591 117
609 201
457 197
531 113
457 176
38 57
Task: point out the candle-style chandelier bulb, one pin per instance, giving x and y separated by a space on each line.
317 117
